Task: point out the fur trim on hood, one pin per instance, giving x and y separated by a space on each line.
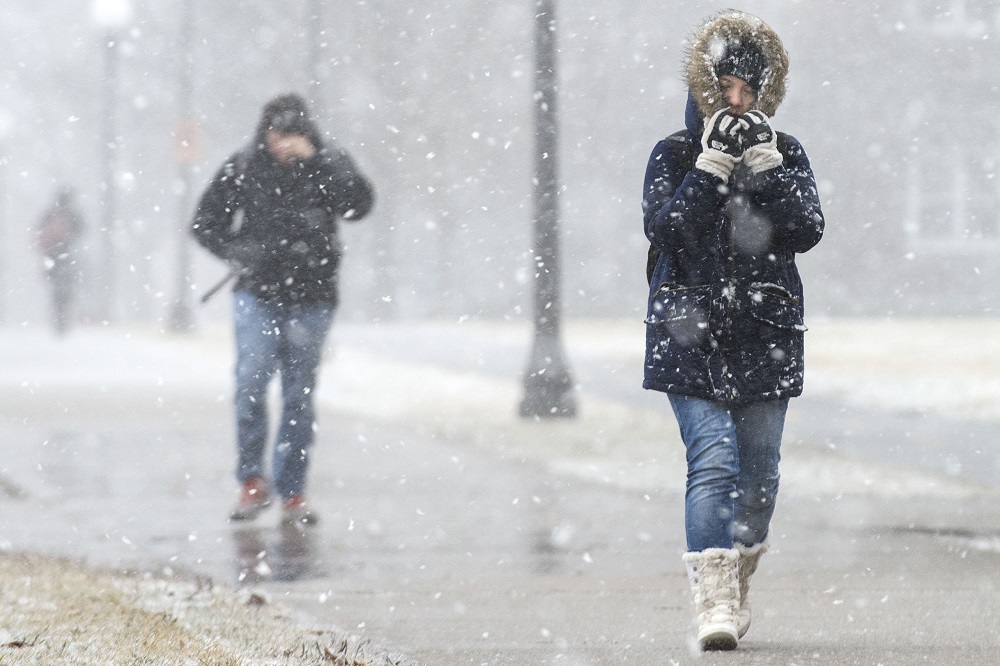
711 43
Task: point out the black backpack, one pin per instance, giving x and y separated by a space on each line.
682 152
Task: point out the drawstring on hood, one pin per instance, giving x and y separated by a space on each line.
739 44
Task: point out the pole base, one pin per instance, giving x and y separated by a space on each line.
548 387
181 318
547 404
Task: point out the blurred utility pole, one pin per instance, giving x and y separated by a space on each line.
187 149
6 124
548 387
111 17
315 93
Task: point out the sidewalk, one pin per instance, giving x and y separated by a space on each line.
456 533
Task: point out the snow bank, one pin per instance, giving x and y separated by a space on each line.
614 443
944 366
947 366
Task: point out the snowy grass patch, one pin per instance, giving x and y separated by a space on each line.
53 611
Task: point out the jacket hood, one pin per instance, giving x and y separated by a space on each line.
693 119
287 113
715 42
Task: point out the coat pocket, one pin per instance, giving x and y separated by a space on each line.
774 305
682 311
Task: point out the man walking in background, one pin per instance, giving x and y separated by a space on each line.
56 236
272 212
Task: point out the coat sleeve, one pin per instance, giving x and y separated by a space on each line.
680 206
788 198
349 193
212 226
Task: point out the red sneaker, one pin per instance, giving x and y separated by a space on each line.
295 511
253 499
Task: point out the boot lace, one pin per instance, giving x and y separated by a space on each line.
719 590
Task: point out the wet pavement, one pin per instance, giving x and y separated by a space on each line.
455 552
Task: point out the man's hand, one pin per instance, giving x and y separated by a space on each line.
721 144
242 257
289 148
761 143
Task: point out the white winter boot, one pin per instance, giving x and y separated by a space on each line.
749 559
715 584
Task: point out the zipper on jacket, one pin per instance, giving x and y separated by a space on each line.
731 303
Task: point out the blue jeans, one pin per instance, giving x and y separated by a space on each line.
732 460
273 338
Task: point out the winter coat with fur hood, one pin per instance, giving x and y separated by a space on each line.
278 223
725 308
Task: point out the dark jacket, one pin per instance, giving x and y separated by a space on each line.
725 309
278 224
58 231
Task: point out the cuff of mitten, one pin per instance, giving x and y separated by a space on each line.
762 158
716 163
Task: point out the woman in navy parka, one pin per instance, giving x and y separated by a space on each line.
727 204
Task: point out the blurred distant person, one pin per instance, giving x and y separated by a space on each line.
57 235
727 204
272 212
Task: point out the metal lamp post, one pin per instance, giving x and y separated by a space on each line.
548 387
111 16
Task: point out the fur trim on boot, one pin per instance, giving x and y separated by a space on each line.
715 583
749 559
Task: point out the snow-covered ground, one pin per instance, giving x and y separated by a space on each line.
938 366
933 366
945 366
